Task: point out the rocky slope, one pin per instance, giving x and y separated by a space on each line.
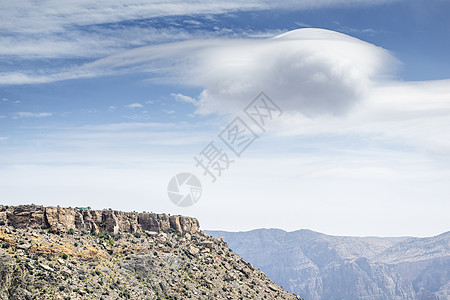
69 253
319 266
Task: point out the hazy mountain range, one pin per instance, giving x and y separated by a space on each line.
319 266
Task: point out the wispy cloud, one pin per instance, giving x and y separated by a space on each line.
134 105
56 16
185 99
24 114
141 116
75 28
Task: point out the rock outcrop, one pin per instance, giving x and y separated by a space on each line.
65 253
94 221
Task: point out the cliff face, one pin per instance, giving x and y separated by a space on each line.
65 253
93 221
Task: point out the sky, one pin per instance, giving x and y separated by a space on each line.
103 103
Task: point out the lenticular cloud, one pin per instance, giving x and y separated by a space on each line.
308 71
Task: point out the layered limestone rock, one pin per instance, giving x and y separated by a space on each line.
64 219
46 253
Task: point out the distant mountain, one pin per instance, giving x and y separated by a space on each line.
324 267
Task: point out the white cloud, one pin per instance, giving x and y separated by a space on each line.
312 71
33 77
134 105
184 98
56 29
92 44
326 82
112 108
24 114
294 66
196 61
56 16
415 114
3 138
141 116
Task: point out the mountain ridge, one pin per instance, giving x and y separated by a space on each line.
320 266
78 253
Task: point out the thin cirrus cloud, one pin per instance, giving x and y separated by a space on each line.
184 99
26 114
55 29
55 16
134 105
294 66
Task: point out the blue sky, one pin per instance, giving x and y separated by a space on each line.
101 104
